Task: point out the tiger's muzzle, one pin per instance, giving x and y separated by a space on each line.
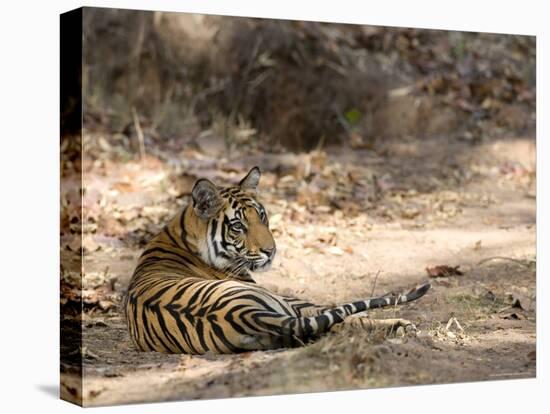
264 262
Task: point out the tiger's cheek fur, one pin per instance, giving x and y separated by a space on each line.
259 238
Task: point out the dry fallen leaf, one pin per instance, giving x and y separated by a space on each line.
513 316
335 250
96 292
443 271
514 300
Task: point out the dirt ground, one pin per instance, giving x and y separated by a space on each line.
348 225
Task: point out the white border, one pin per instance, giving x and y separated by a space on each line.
29 201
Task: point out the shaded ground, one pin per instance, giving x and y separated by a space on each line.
348 224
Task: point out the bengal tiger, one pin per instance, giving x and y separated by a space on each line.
192 291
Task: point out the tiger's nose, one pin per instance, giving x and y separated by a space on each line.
270 252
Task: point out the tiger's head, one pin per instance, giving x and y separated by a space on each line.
235 225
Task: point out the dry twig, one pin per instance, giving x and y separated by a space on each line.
374 283
139 133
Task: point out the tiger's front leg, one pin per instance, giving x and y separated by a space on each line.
362 321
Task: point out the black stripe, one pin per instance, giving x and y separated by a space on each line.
220 333
165 329
253 296
360 306
158 249
348 309
181 326
156 296
199 328
167 231
185 260
244 321
213 227
322 323
181 291
194 298
160 339
307 327
213 340
147 333
146 264
236 324
212 288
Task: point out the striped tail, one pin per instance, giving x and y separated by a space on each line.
303 329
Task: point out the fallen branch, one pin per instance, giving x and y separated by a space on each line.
488 259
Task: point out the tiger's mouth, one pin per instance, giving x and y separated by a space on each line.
262 267
252 263
245 265
260 264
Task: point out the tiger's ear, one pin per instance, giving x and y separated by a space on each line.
251 180
206 199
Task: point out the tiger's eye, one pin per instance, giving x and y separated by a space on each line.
238 227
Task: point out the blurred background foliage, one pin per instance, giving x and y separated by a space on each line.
293 85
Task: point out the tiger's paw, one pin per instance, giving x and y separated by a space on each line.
398 327
405 328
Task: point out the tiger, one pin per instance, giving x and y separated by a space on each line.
192 291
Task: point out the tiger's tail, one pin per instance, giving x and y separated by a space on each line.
303 329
